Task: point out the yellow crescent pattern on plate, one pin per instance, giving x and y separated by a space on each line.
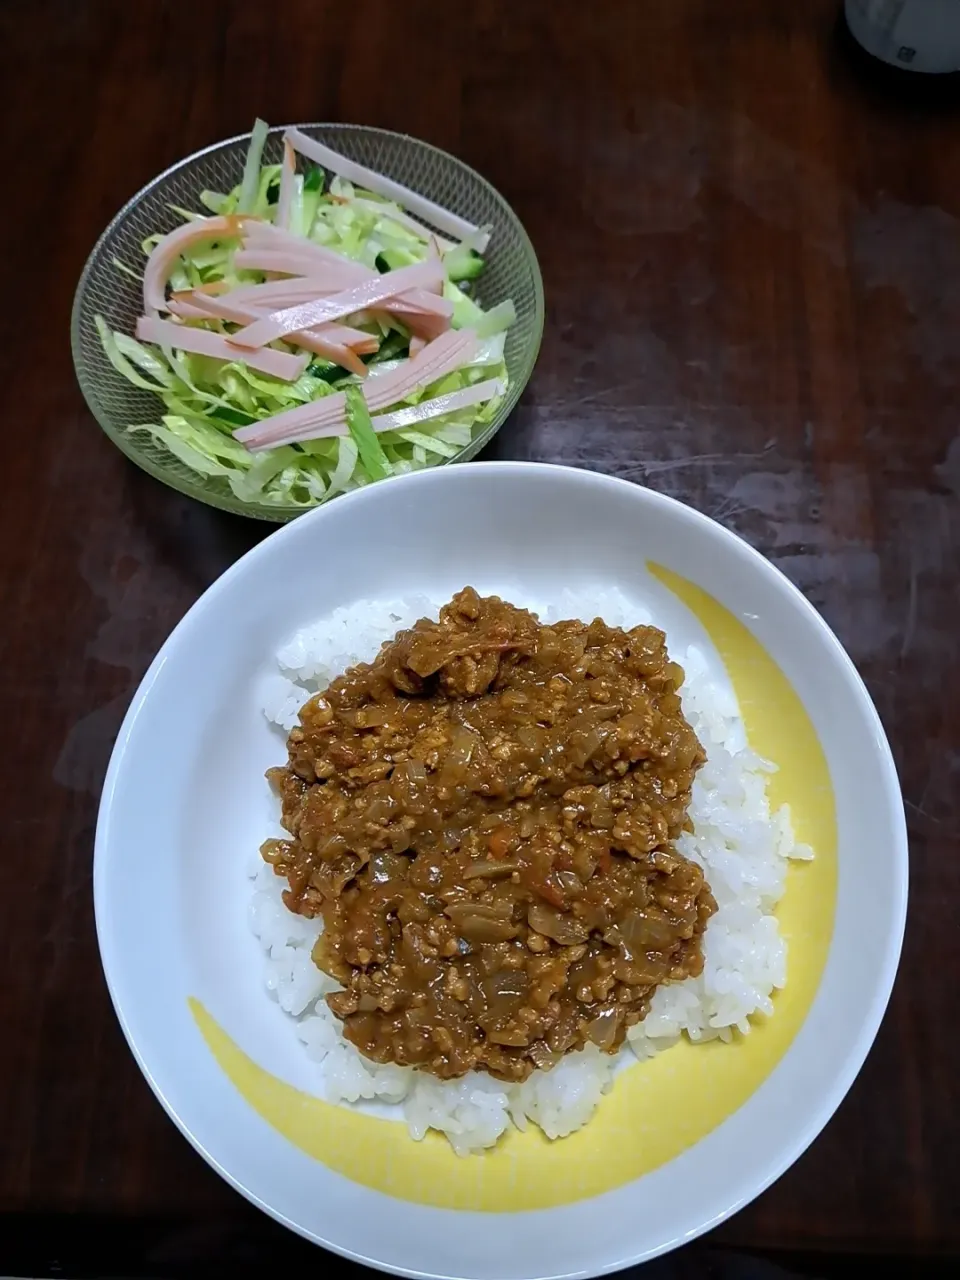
656 1109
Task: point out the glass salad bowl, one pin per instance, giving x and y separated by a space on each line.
107 290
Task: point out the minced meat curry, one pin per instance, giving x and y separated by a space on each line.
484 817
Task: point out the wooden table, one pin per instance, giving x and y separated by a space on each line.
752 270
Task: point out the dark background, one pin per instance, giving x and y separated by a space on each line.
752 268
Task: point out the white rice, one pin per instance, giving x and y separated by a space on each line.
743 848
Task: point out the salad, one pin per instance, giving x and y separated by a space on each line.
309 332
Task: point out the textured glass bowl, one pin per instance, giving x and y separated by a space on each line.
512 271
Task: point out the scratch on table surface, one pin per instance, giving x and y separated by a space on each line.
924 793
608 392
727 509
916 808
911 625
658 467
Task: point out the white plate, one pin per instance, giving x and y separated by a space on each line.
682 1141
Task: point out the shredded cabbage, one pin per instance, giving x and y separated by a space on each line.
205 400
250 185
361 428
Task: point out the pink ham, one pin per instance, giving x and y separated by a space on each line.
274 293
291 421
275 364
335 352
265 237
422 302
291 263
324 341
309 314
413 415
416 314
424 313
364 344
449 352
421 320
287 174
281 237
168 250
228 308
186 309
380 392
359 174
253 301
213 287
418 302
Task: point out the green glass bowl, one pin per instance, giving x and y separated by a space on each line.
511 271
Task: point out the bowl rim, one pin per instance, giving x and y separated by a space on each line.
282 514
820 1112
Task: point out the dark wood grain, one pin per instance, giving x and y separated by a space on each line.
752 270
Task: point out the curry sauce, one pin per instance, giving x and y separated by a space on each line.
485 819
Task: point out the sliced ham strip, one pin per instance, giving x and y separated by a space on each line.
309 314
447 353
213 287
426 301
339 343
422 324
265 240
168 250
365 344
418 302
287 172
335 352
202 342
330 409
412 415
265 258
264 235
416 345
276 293
423 314
280 425
357 339
262 232
241 311
186 309
435 214
450 351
